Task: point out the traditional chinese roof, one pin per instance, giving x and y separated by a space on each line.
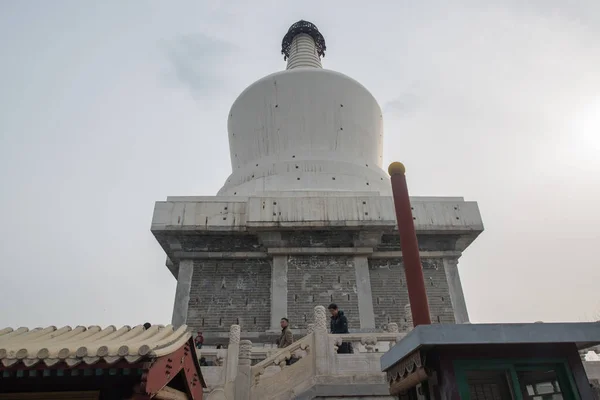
89 345
582 334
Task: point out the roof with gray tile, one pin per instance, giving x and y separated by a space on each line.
582 334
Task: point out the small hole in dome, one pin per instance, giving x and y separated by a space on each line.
293 156
457 218
224 218
381 178
341 105
276 105
296 167
414 218
253 175
364 202
366 213
341 129
366 165
257 165
333 178
367 183
274 203
298 179
234 193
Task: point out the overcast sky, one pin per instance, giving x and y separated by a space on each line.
107 107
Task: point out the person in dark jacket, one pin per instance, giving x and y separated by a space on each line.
339 324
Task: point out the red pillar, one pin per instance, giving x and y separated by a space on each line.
410 247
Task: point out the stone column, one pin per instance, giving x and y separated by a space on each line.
243 382
323 349
279 290
365 296
182 294
457 296
233 351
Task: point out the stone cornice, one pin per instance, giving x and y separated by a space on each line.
310 251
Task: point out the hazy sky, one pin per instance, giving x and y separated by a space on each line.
107 107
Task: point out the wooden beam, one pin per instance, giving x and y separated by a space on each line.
165 368
409 381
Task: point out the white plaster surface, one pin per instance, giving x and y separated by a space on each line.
303 53
222 214
305 129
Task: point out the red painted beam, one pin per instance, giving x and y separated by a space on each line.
165 368
415 282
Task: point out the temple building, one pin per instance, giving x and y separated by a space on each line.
306 217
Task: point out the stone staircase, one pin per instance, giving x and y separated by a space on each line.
247 372
244 371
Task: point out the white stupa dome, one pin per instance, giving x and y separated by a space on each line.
305 128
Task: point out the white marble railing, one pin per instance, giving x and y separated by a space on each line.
312 360
296 351
591 354
214 357
367 342
315 359
217 357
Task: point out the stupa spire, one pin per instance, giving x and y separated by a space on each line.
303 46
306 128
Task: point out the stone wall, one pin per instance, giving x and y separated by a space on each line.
230 292
227 292
321 280
390 295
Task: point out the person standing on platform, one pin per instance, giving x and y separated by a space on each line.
339 325
287 337
199 340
